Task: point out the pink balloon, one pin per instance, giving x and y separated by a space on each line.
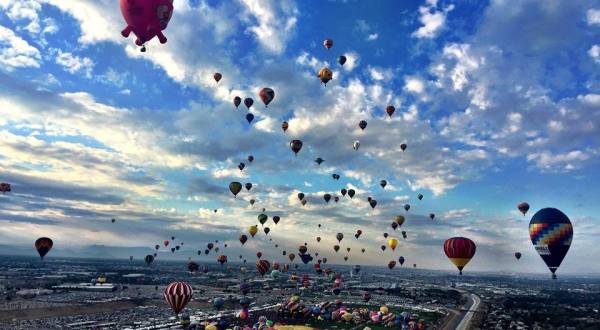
146 19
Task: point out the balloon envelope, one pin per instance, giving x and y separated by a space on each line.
177 295
459 250
551 233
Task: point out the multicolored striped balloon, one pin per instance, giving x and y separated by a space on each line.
177 295
551 233
262 266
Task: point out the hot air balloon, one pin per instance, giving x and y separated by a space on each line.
285 126
401 260
339 237
382 247
166 243
222 259
252 230
551 233
392 242
356 145
336 199
518 255
358 233
177 295
302 249
266 95
249 117
325 75
341 60
209 246
306 258
146 19
250 158
351 193
403 146
404 234
420 196
292 256
328 43
383 183
235 188
459 250
336 248
276 219
391 264
390 110
252 201
267 230
343 191
241 166
346 258
385 235
248 186
335 176
113 220
327 198
373 203
300 196
156 247
431 216
149 259
303 202
362 124
43 245
406 207
363 250
262 218
258 254
394 226
193 267
243 239
248 102
237 101
177 247
217 76
4 187
523 207
296 145
262 266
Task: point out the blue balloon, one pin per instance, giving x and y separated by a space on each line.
249 118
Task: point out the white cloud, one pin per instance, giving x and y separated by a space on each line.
465 63
352 61
594 53
74 64
414 85
372 36
275 20
16 52
563 162
457 214
432 19
593 16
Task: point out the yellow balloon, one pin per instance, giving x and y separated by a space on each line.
325 75
211 327
392 242
384 309
253 230
400 220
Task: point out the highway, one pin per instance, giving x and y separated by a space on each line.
461 320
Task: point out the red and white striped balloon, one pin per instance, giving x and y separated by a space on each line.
177 295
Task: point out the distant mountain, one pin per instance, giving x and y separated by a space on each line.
89 251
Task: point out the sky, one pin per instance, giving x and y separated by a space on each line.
498 102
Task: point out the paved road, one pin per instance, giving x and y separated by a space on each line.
461 319
466 320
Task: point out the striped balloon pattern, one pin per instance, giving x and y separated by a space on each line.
459 250
551 233
262 266
177 295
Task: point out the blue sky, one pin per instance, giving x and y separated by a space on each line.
498 102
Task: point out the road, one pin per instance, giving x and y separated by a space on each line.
461 319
